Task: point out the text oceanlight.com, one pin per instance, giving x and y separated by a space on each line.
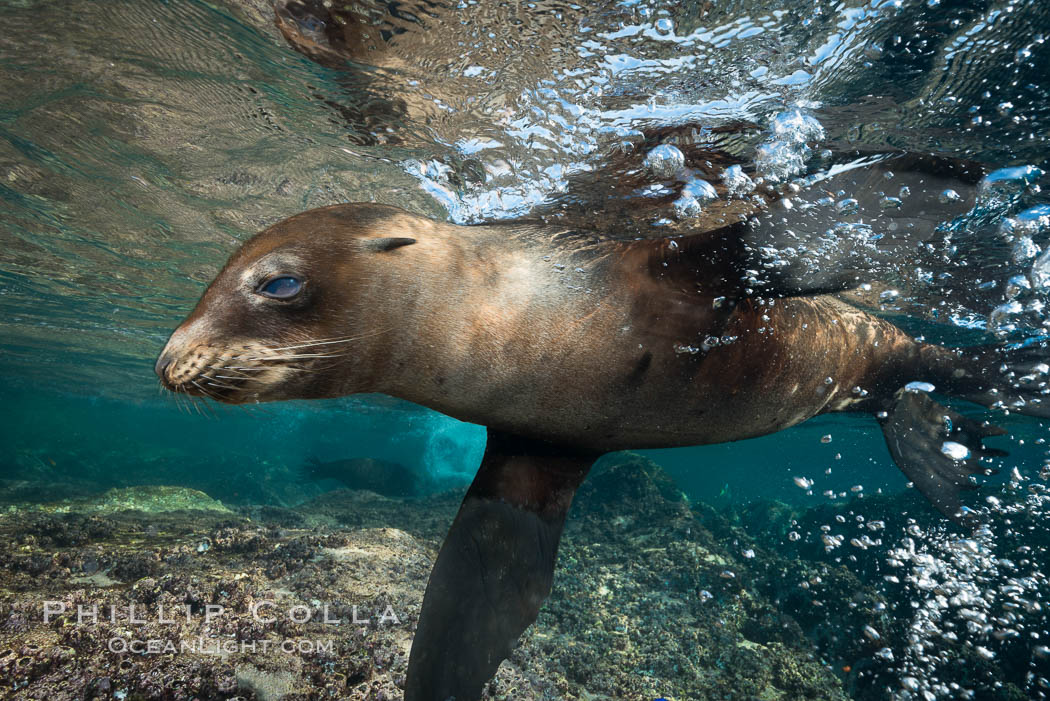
208 646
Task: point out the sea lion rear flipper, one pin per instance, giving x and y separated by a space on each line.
936 448
1011 377
495 567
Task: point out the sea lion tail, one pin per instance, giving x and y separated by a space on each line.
939 449
936 448
1015 378
495 567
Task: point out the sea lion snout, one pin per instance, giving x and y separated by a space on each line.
290 316
191 366
237 372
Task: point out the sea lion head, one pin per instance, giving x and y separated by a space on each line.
284 319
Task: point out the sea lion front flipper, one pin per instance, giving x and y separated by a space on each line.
936 448
495 567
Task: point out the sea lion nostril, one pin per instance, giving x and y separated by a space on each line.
163 363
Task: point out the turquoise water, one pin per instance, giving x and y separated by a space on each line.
141 141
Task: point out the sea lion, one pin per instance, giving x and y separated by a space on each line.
390 479
567 344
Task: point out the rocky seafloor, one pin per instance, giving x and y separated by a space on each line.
654 598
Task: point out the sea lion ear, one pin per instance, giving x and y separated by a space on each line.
387 244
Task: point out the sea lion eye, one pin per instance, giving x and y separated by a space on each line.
283 287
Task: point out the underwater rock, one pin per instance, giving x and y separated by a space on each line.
18 491
266 686
145 498
427 518
649 603
655 597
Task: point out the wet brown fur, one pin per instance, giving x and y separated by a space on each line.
542 333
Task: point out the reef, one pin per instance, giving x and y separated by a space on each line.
164 593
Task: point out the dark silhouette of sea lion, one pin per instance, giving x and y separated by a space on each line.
384 477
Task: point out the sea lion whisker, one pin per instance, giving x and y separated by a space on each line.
311 343
183 401
207 377
206 407
221 385
326 341
320 367
291 341
222 367
209 408
295 356
241 372
197 385
202 389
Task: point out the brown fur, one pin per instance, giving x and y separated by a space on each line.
541 333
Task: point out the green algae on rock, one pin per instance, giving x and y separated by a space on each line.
146 498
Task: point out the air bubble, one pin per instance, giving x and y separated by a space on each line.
700 189
847 206
1032 222
737 181
955 451
1001 318
665 161
1024 250
785 154
686 207
664 25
